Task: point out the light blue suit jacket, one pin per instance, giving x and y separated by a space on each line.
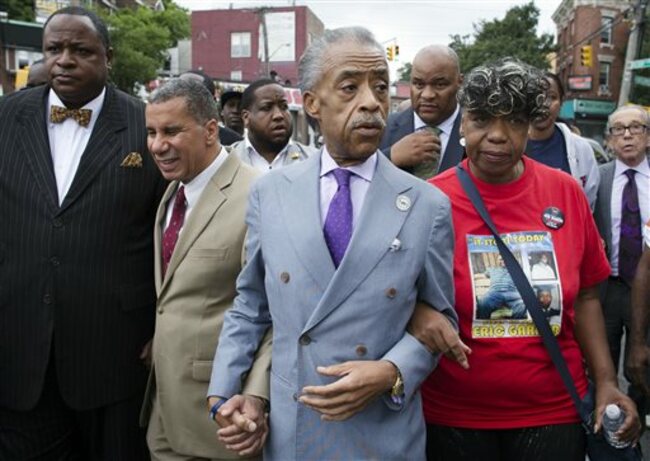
323 316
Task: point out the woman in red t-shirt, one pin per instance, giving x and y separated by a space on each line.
511 404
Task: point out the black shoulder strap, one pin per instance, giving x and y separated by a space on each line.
526 292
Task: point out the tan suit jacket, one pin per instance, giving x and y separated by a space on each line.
198 288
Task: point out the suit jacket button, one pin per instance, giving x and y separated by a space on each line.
160 310
57 223
47 299
391 292
295 396
361 350
284 277
304 340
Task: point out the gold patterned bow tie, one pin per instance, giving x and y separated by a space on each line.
82 116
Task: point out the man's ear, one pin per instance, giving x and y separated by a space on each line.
311 104
212 132
109 58
245 114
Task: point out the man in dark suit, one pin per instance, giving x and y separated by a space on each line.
77 299
424 139
622 206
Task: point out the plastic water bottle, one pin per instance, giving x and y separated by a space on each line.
612 422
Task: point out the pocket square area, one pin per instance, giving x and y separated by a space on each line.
133 160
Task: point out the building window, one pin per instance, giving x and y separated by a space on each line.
236 75
603 75
606 24
240 45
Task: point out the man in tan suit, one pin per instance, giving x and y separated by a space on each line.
199 238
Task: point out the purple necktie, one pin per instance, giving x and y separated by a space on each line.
630 244
338 223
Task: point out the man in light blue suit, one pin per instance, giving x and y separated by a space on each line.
340 249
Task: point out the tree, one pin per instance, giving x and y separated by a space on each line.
404 73
140 39
18 10
514 35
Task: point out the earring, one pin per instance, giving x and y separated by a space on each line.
461 141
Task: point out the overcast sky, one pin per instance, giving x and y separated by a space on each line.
413 23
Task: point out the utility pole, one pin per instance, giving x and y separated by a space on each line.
631 52
265 40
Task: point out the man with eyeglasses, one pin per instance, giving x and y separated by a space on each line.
622 207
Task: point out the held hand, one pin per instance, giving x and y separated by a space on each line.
636 366
609 393
360 383
244 424
415 148
435 331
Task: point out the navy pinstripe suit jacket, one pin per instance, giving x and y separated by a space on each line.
77 277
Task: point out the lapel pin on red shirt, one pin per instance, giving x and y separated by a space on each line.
553 218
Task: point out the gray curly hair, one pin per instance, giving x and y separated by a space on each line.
503 87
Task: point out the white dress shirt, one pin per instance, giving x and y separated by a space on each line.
359 184
195 187
68 141
642 178
445 129
260 163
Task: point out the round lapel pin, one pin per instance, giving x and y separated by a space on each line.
403 203
553 218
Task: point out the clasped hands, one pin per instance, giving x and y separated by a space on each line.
243 423
434 330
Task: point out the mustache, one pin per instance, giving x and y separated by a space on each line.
369 121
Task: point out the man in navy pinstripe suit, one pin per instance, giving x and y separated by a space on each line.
78 194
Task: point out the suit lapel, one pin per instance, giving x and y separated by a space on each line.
210 200
33 139
102 146
406 123
454 152
379 224
300 202
606 202
157 234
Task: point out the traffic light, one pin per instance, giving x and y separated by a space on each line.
390 55
585 56
396 50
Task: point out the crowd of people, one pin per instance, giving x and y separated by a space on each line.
182 281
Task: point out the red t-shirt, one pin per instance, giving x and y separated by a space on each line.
545 219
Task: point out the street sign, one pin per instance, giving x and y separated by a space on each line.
594 107
643 81
640 64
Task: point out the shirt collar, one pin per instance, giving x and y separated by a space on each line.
641 168
95 105
252 151
194 188
446 126
365 170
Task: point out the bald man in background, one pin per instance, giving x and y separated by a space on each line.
424 139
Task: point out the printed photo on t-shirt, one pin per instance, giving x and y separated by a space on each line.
499 310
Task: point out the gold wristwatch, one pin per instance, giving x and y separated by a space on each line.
397 391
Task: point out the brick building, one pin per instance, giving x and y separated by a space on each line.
229 44
591 90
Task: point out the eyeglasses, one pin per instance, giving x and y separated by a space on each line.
635 128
